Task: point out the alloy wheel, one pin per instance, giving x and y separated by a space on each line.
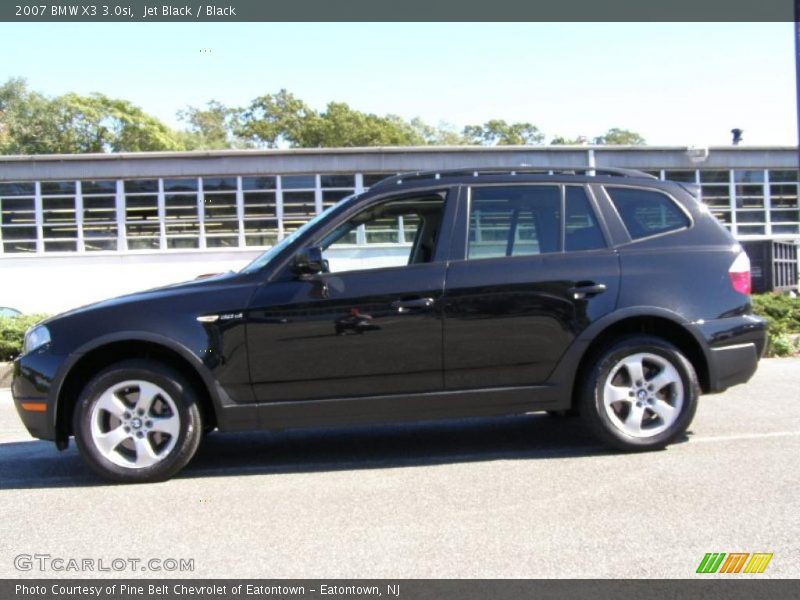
135 424
643 395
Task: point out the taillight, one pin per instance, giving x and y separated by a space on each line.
739 274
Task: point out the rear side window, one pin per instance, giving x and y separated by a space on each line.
514 221
646 212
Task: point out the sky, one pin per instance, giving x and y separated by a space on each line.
676 84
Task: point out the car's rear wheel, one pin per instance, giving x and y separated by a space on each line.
640 394
137 421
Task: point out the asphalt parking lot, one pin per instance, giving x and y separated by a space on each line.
526 496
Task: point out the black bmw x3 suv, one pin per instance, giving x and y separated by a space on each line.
602 292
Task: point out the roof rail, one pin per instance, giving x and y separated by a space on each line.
521 170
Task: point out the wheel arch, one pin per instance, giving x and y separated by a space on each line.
646 321
106 351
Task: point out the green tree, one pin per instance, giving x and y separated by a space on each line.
340 125
28 123
497 132
622 137
274 119
560 140
32 123
97 123
211 128
283 119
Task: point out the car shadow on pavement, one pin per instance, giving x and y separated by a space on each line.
37 464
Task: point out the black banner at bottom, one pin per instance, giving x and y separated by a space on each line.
407 589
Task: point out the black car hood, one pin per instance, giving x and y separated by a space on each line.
174 289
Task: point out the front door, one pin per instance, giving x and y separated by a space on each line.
370 324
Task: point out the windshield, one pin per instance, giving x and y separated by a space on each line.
264 259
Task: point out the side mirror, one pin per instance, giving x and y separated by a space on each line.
309 261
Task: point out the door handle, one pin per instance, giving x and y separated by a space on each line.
411 303
584 290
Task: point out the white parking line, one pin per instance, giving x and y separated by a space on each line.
744 436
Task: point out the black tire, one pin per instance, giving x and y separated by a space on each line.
610 425
170 455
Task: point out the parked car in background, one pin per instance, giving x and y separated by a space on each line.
600 291
5 311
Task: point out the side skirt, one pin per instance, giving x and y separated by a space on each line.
404 407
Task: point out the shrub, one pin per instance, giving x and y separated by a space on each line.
782 313
783 344
12 333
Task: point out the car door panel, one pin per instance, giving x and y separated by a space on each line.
509 320
355 333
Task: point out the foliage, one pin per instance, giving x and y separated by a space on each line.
623 137
782 313
499 133
113 125
32 123
12 333
211 128
283 119
783 344
560 140
613 136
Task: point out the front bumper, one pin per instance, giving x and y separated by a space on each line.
34 377
734 346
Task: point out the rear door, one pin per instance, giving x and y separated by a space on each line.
534 271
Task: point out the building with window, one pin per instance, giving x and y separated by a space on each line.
78 228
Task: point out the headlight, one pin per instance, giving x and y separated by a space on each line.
36 337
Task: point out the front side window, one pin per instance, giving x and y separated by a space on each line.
264 259
402 231
509 221
647 212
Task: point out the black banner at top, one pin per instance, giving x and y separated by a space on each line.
394 10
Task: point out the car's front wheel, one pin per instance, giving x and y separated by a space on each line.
137 421
640 394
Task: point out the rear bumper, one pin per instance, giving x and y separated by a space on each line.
732 365
734 347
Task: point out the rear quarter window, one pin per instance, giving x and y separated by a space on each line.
647 212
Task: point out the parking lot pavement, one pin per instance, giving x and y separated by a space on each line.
525 496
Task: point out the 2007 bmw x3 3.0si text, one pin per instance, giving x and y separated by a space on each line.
602 292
